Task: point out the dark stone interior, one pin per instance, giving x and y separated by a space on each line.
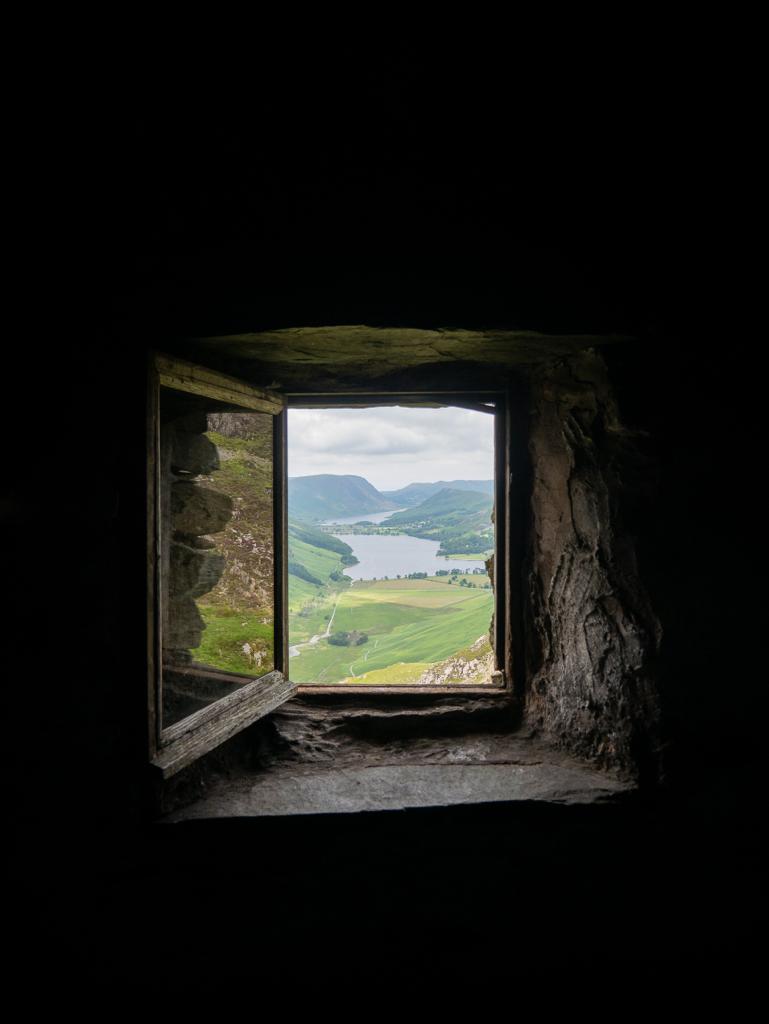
593 295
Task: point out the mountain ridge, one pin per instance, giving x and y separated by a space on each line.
447 501
324 495
415 493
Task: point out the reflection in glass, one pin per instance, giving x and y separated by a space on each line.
216 550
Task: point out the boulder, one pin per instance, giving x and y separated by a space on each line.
198 510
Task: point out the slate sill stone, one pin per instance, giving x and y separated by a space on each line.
476 770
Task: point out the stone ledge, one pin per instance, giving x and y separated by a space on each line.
472 770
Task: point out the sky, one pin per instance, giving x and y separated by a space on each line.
392 446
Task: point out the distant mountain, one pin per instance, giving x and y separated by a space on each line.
415 494
447 502
328 495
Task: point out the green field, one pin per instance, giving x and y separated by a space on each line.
410 624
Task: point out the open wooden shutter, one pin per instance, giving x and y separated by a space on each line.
218 649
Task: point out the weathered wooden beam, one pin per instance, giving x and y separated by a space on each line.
184 376
197 734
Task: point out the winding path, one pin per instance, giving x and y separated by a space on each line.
295 650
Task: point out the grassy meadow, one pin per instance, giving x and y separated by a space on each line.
410 624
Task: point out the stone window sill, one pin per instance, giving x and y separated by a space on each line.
476 768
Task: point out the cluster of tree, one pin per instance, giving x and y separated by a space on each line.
353 638
475 586
457 572
297 569
319 539
466 544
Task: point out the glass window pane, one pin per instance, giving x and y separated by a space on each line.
216 550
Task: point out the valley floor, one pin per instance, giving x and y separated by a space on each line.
411 625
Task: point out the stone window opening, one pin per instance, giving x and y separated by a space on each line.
199 561
579 636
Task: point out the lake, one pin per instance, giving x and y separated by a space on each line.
398 555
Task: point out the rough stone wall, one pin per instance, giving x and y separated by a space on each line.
592 636
189 514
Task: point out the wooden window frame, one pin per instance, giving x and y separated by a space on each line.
178 745
503 685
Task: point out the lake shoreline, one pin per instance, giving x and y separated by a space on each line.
387 556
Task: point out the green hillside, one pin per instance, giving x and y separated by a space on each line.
320 562
321 572
326 495
415 494
460 520
446 503
308 534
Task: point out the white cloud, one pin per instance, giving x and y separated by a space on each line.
392 447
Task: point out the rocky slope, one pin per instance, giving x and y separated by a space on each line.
474 665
